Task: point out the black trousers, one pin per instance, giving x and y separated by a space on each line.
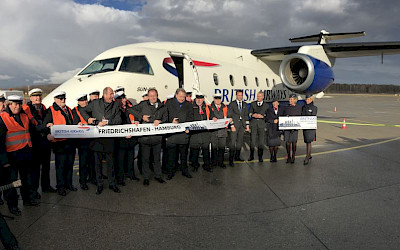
84 167
98 158
6 236
177 150
64 161
10 174
41 160
125 162
151 154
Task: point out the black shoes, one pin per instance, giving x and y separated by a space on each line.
61 191
251 158
31 203
307 160
49 189
121 183
146 182
207 168
288 160
170 176
292 159
186 174
72 188
99 189
133 178
84 186
115 188
196 167
260 159
15 211
159 179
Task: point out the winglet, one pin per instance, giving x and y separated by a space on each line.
323 37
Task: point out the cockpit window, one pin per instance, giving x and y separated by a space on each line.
101 66
136 64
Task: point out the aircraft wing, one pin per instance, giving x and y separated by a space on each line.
338 50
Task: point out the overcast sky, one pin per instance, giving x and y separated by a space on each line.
47 41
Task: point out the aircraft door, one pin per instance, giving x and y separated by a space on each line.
187 72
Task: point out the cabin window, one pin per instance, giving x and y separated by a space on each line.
273 82
256 81
232 80
136 64
215 76
245 80
101 66
267 81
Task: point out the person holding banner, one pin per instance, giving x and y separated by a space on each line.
2 109
104 111
63 149
82 144
200 139
291 136
179 110
309 109
237 109
257 112
151 111
274 134
218 136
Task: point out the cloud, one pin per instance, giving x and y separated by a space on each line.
5 77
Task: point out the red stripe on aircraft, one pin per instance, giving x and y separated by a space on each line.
204 64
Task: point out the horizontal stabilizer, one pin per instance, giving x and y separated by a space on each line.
324 37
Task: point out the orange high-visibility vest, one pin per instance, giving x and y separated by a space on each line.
208 112
132 118
59 119
27 110
225 111
17 137
80 116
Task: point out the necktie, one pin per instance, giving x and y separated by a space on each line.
201 111
240 106
259 104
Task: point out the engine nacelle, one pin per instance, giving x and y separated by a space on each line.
304 74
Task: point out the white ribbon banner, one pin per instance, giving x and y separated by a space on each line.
297 122
86 131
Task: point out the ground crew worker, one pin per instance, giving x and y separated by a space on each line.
82 144
151 111
179 110
258 112
104 111
237 109
125 147
16 153
291 136
309 135
274 139
64 149
200 139
2 109
218 136
36 112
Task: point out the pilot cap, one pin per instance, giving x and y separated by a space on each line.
94 92
218 95
15 98
145 94
35 92
119 95
59 94
119 88
199 95
2 98
293 96
82 97
170 96
309 96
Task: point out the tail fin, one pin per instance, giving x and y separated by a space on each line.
323 37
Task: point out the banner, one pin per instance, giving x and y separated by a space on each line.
297 122
87 131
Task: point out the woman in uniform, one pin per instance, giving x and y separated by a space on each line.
274 140
309 134
291 135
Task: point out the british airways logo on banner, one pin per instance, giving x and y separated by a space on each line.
169 65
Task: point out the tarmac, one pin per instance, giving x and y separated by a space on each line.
348 197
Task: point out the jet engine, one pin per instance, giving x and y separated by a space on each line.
305 74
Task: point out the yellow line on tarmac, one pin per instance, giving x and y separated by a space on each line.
361 124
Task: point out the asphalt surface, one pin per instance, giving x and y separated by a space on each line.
348 197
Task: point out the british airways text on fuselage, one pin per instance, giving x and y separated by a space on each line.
228 95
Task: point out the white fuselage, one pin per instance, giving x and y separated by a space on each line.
206 68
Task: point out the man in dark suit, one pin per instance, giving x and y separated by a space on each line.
257 112
179 110
104 111
240 122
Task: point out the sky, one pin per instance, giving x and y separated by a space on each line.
48 41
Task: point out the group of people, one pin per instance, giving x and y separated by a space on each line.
26 141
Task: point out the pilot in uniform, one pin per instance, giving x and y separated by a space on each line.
309 109
36 112
293 109
93 95
200 139
16 153
257 112
82 144
237 109
64 149
218 136
274 134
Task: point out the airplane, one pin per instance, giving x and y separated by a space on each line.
211 69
